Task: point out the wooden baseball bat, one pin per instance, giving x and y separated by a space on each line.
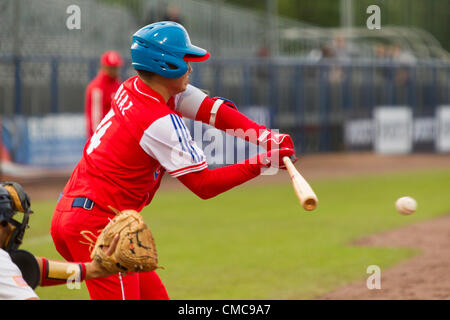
303 190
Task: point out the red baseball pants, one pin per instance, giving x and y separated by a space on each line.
71 229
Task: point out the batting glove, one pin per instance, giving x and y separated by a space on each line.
272 140
273 158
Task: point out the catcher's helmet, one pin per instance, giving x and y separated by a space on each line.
13 199
6 209
163 48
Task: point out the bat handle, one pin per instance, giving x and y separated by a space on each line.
289 165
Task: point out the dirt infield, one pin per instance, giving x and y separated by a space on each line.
424 277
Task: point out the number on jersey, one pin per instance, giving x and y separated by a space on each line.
100 131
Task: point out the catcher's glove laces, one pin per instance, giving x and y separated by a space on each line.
135 251
90 237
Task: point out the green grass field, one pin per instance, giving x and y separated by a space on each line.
255 242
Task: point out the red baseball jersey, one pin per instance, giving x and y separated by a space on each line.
139 139
99 94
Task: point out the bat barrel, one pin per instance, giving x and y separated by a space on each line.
309 204
303 190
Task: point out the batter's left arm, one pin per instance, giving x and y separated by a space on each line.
222 114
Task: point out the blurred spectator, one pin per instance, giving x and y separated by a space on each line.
380 51
403 58
263 54
162 12
156 12
173 14
4 154
338 51
101 90
340 48
327 52
314 55
397 54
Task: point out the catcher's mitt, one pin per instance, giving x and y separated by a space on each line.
135 251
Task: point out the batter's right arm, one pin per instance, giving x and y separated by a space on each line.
208 183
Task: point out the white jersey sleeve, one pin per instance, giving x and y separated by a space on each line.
12 284
188 102
168 140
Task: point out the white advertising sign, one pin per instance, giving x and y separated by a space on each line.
358 133
424 130
443 129
393 130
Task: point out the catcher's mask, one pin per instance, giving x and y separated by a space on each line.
13 199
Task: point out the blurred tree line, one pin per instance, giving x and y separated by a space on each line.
430 15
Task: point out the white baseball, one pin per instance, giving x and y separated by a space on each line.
406 205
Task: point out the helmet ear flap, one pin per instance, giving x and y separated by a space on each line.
175 68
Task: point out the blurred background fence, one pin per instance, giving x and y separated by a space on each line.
311 79
301 95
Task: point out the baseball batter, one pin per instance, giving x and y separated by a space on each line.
141 138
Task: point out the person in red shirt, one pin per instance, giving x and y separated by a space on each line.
101 90
141 138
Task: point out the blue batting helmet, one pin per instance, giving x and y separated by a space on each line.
163 48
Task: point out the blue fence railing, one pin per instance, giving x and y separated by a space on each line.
303 96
